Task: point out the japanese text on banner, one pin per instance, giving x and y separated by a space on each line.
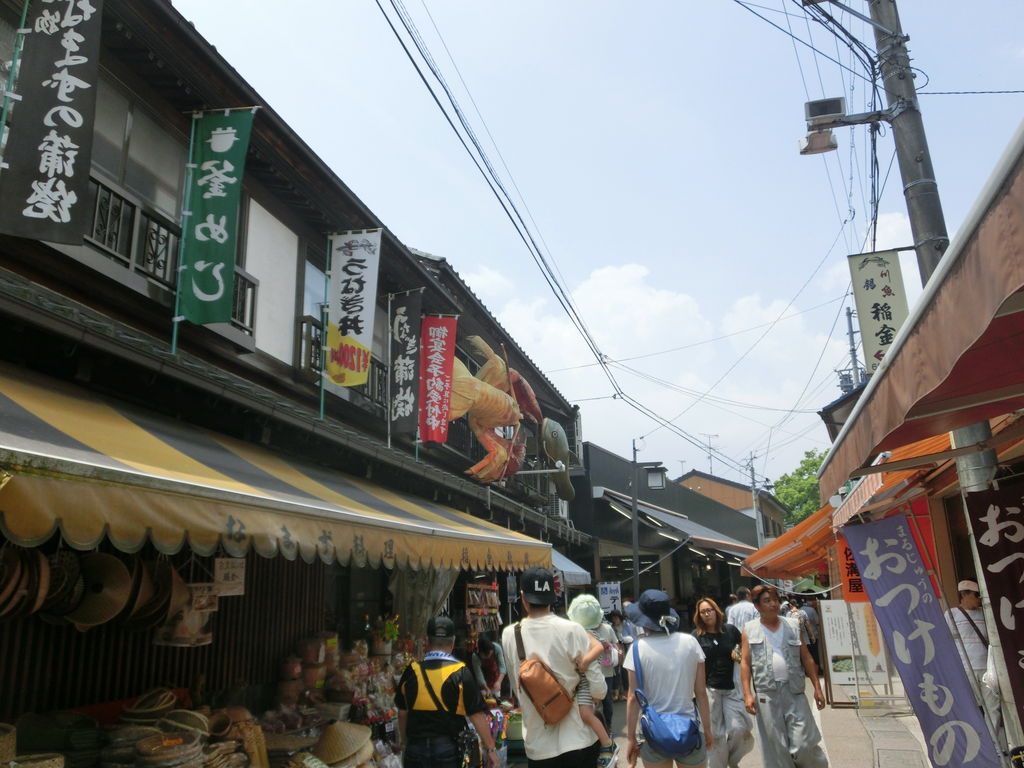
351 305
210 229
881 302
920 644
438 354
403 409
45 189
997 520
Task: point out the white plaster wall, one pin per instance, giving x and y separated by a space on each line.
271 254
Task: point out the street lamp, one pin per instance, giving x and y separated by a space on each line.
655 477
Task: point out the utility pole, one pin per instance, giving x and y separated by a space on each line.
928 225
711 470
854 365
635 520
757 507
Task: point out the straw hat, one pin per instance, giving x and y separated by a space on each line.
42 580
66 585
365 753
341 742
108 586
149 613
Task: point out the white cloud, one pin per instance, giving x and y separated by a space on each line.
488 283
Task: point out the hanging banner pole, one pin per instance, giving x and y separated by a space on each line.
185 213
325 313
12 76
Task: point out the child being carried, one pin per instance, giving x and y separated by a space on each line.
586 611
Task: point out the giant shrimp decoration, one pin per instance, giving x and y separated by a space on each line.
496 397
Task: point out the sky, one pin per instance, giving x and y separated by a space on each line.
653 149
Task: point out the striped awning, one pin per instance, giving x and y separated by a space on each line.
96 469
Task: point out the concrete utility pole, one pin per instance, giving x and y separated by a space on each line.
854 365
976 471
757 507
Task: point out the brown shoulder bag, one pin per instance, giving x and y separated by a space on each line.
539 683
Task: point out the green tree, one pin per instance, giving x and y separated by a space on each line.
798 489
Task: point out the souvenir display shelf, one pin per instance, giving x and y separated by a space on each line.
483 608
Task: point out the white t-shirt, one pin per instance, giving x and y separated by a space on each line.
669 664
741 613
977 651
776 638
556 642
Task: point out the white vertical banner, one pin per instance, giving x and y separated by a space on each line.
881 302
351 305
609 594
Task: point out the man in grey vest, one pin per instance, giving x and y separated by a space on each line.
773 665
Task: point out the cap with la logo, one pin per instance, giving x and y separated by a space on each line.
538 585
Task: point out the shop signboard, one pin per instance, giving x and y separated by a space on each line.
881 302
854 644
609 594
920 644
229 576
998 525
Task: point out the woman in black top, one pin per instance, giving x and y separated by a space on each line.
731 726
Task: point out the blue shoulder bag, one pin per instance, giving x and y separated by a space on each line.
672 735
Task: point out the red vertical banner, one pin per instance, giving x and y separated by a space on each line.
437 339
853 587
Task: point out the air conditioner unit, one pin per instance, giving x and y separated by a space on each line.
557 508
824 110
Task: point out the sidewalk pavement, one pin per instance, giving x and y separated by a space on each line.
851 738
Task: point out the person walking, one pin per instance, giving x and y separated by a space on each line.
556 642
730 724
966 621
672 664
434 698
813 629
742 611
773 664
624 634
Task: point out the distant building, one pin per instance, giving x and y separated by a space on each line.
738 496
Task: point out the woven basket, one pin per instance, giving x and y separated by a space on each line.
8 742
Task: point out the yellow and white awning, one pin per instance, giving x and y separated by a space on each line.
95 469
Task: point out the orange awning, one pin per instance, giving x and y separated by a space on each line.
797 552
955 362
882 488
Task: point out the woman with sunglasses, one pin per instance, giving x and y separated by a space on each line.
731 725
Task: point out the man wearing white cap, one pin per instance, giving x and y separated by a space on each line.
966 621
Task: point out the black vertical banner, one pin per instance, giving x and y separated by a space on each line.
997 521
45 188
404 374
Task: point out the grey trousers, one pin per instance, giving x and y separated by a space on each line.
789 736
731 726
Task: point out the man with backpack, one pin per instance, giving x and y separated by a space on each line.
434 698
540 655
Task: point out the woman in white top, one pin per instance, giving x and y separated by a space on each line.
672 664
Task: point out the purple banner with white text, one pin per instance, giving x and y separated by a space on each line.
920 644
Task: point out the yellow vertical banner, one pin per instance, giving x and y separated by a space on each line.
351 305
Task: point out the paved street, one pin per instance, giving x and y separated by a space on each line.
851 740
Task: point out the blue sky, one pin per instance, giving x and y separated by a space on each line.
654 144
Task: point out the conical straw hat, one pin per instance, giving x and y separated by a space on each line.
340 741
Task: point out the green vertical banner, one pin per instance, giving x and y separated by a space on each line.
210 223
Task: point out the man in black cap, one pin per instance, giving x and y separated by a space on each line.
557 642
434 698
